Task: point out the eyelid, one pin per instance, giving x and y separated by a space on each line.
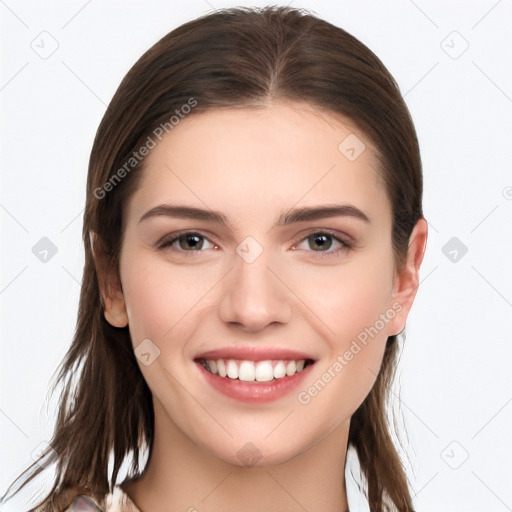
343 238
171 237
347 244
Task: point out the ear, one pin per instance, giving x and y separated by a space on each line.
406 280
112 296
115 308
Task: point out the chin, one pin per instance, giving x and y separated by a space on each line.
258 450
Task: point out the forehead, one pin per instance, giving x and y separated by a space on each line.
259 159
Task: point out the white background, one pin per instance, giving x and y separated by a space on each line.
456 392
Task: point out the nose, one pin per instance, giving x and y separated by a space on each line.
253 297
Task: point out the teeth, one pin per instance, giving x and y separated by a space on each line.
221 367
232 369
213 366
291 368
264 371
279 370
249 371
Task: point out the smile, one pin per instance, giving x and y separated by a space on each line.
254 374
252 371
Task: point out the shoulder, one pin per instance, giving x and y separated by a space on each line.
116 501
119 501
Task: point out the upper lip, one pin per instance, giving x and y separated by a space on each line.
254 354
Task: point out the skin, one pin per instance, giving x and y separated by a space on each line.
253 165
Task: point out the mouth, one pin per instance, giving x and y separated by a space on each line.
254 371
254 375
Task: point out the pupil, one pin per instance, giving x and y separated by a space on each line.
191 241
322 241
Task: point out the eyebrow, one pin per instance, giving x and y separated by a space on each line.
286 218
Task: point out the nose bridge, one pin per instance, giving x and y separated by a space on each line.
254 297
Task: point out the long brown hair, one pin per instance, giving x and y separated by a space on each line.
236 57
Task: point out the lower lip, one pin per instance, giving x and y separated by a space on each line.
254 392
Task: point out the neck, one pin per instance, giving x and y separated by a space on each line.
182 476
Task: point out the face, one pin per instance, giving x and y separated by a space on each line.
259 246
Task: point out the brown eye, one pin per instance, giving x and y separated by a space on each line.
320 241
323 244
190 241
187 242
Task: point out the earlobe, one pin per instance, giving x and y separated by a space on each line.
115 309
407 278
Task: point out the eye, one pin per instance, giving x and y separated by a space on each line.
323 243
186 242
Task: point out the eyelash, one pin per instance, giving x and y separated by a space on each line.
345 244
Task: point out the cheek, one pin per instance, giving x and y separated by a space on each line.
159 298
351 309
345 300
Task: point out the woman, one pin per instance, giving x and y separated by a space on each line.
253 235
